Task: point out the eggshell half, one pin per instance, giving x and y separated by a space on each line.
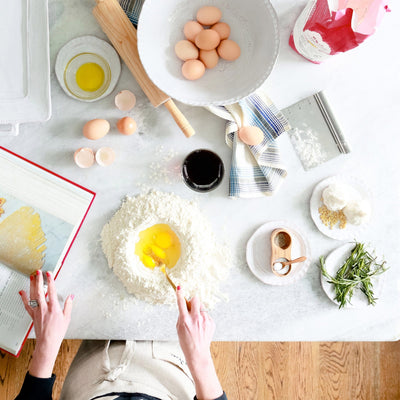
105 156
208 15
84 157
251 135
125 100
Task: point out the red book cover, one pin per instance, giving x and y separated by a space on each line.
41 214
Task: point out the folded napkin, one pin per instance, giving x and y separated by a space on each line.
256 171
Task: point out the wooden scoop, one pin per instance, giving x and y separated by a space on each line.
122 34
281 247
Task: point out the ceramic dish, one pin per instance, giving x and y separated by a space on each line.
24 64
258 253
82 50
254 26
350 232
333 262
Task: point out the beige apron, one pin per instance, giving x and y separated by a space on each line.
157 369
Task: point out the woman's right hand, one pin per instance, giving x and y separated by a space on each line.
195 331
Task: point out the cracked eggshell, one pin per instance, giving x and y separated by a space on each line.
105 156
84 157
125 100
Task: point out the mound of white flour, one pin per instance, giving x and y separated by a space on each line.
203 262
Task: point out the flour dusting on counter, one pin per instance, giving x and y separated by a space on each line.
204 261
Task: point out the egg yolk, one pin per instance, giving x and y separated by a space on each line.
158 245
90 77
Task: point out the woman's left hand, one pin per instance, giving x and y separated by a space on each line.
50 323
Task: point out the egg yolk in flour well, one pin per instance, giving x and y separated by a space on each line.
90 77
158 245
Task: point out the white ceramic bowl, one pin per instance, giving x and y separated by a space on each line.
254 26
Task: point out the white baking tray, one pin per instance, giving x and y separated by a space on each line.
24 64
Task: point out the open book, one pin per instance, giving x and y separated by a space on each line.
40 216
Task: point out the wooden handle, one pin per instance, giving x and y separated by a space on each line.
179 118
188 305
122 34
297 260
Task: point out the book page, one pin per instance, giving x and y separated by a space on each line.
14 320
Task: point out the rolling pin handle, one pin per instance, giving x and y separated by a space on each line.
179 118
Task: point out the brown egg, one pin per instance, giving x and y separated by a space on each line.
251 135
222 29
127 126
186 50
193 69
207 39
228 50
96 129
191 30
209 58
208 15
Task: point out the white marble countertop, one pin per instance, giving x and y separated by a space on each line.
363 87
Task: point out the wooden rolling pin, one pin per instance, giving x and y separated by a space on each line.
122 34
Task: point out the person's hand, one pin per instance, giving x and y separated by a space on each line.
195 331
50 323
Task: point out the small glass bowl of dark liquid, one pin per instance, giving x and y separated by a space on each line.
202 170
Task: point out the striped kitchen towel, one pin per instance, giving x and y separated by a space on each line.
132 9
256 171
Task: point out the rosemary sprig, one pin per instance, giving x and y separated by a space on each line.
354 274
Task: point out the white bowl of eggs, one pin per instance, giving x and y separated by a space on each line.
213 52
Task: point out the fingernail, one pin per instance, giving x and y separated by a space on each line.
48 274
20 292
178 288
72 296
31 277
37 272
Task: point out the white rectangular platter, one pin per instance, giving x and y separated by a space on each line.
24 64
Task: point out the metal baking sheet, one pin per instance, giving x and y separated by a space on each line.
24 63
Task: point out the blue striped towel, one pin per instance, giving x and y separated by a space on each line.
256 171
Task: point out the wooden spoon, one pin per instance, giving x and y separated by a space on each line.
290 262
163 270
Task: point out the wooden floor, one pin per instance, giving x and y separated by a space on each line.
267 371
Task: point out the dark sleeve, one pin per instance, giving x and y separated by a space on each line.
223 397
36 388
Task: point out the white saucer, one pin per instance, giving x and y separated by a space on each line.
333 262
258 253
88 44
350 232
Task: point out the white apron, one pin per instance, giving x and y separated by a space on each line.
157 369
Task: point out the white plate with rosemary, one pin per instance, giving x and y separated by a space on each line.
349 232
336 291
